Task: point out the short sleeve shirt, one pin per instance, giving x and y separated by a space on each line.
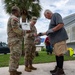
59 35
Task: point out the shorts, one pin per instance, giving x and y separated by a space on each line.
60 48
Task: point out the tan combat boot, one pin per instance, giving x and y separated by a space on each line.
32 68
13 73
18 72
28 69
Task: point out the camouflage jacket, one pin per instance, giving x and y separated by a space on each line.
29 37
14 32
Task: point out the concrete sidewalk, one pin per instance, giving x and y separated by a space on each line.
43 69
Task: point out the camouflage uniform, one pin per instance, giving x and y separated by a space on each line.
15 36
30 46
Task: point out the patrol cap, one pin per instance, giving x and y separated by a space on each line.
15 8
34 18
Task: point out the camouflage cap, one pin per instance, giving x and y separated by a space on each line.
15 8
34 18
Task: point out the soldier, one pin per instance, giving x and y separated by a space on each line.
30 46
15 36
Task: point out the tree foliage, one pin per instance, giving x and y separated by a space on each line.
28 7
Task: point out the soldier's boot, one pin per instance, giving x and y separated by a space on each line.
13 73
18 72
28 69
30 65
32 68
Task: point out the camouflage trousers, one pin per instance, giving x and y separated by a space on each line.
29 54
15 54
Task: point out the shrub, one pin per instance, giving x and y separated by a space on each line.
43 49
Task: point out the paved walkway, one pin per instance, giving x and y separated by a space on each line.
43 69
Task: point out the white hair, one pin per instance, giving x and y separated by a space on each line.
47 11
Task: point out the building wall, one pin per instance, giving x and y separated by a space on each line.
38 48
72 45
71 33
69 23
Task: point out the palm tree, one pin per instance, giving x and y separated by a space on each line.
28 9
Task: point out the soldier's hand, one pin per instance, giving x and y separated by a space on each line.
23 32
28 31
35 35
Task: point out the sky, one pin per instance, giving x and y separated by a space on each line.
63 7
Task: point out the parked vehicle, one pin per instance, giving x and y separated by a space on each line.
4 48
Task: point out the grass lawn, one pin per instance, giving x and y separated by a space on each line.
42 58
